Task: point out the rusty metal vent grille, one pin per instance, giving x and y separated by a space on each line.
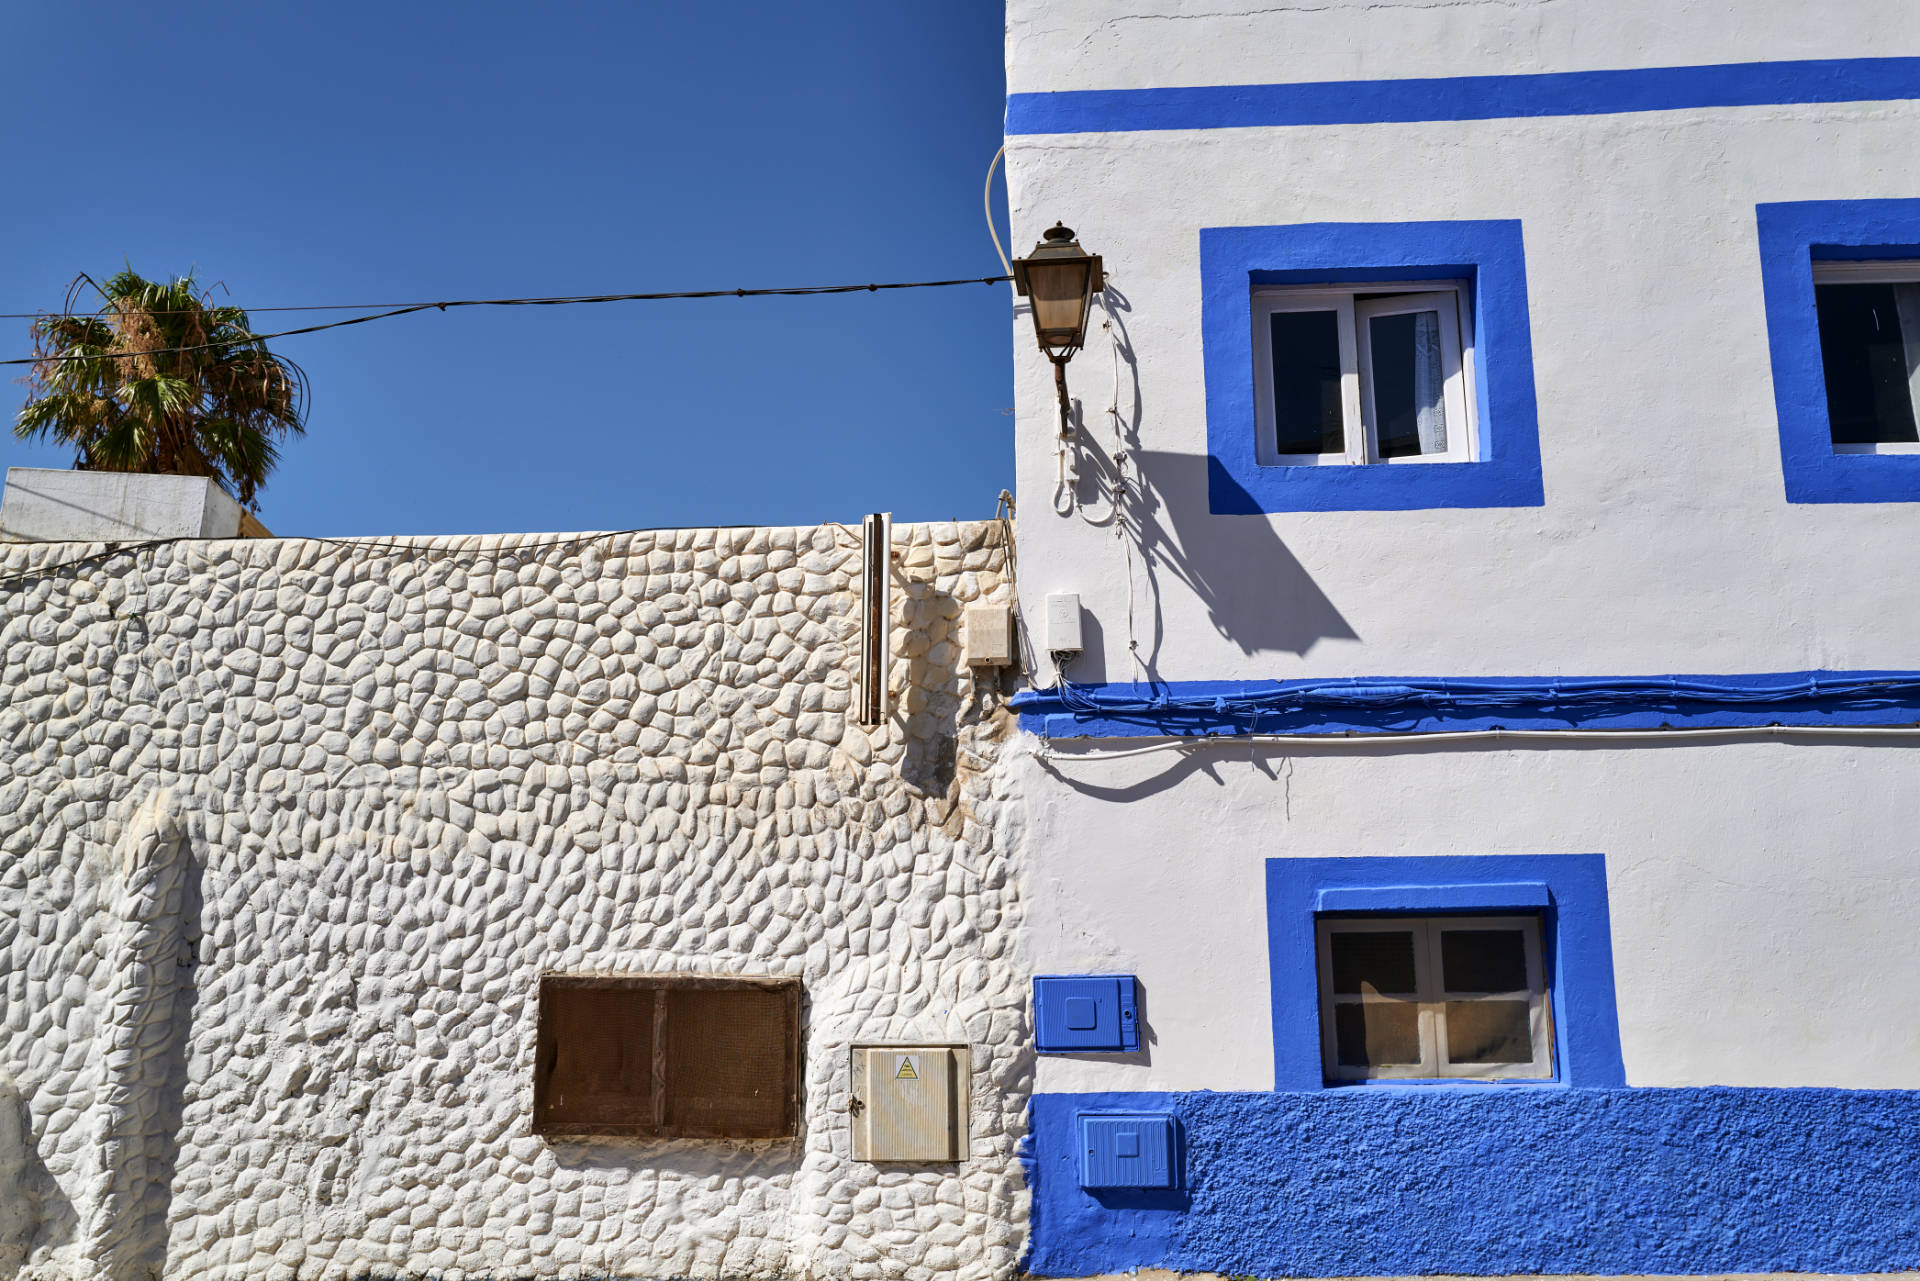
667 1056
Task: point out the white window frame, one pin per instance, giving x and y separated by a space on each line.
1890 272
1360 431
1431 999
1446 303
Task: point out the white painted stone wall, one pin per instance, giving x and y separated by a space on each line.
290 829
1757 889
43 504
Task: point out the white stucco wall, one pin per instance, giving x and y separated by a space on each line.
1761 893
43 504
289 831
1666 543
1098 44
1757 889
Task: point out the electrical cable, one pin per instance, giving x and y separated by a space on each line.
410 308
1050 750
986 201
1479 692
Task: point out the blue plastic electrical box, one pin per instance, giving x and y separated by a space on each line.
1085 1014
1128 1150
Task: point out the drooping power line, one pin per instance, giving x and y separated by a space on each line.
405 309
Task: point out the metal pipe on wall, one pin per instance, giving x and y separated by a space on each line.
876 580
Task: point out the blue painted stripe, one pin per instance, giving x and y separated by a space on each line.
1494 1181
1368 705
1563 93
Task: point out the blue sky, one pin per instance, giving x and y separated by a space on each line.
354 152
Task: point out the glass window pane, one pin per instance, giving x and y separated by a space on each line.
1483 960
1375 1033
1409 384
1488 1032
1370 961
1306 382
1869 363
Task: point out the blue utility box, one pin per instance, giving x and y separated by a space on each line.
1128 1150
1085 1014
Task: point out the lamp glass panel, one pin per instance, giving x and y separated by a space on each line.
1058 292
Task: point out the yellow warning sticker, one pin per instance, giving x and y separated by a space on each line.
908 1068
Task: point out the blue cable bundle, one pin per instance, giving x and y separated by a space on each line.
1213 707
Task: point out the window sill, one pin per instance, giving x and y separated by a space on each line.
1413 1085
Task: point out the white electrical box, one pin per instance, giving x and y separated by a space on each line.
1063 623
989 635
910 1102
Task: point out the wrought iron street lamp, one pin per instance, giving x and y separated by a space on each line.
1061 279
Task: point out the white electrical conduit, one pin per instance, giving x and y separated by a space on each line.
1050 750
986 202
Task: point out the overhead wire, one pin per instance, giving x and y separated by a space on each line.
406 309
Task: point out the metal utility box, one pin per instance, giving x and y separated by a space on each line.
910 1102
989 635
1128 1150
1086 1014
1063 623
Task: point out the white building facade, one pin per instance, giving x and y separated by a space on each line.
1482 444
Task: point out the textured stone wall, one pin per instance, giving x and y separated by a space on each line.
289 831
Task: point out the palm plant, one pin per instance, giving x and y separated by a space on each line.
160 379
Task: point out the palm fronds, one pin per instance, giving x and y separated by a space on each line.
108 385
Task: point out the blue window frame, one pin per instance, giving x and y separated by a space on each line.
1569 891
1793 237
1488 255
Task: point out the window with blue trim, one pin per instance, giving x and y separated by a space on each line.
1368 343
1456 1000
1842 286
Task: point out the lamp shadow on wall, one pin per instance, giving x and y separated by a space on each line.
1256 592
930 712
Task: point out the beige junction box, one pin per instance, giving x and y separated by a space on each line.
910 1102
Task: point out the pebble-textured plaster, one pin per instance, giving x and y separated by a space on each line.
290 829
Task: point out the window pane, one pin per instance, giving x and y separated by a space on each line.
1409 384
730 1060
1377 1032
1306 382
1366 961
1483 960
596 1056
1488 1032
1868 361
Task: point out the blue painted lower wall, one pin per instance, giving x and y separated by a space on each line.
1505 1180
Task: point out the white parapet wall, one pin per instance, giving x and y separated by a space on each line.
43 505
291 831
